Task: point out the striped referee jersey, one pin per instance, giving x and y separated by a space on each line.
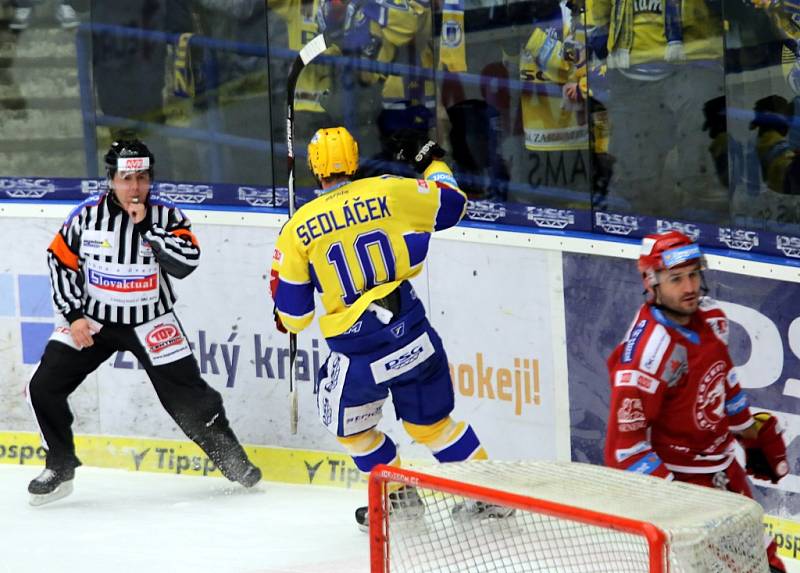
104 266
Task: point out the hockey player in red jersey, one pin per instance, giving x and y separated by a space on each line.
676 405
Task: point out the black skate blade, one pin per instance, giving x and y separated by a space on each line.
461 511
500 512
251 477
362 519
60 492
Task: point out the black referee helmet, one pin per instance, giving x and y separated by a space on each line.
129 155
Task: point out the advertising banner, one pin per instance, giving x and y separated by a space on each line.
746 236
502 367
492 306
254 197
181 457
749 232
225 310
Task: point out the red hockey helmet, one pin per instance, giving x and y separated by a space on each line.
666 251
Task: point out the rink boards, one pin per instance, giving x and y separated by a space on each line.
181 457
527 320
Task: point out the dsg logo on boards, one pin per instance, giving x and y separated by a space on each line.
616 224
518 385
689 229
24 188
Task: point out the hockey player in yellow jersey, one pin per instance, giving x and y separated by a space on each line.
357 245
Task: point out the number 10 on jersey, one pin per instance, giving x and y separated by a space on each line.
375 259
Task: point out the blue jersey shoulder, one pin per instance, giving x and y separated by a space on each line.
91 201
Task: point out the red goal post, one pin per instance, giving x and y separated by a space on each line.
569 517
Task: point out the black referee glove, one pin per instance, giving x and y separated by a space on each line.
414 147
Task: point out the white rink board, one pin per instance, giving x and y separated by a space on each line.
492 305
500 347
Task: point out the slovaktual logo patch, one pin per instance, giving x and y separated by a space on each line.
123 283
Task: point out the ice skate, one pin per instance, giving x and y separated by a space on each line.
250 477
51 485
471 508
239 470
405 503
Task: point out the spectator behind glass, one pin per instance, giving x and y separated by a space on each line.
764 76
239 86
716 124
780 163
406 120
312 95
385 32
664 64
474 139
554 168
130 72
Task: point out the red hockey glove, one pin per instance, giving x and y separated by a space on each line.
274 280
766 454
278 322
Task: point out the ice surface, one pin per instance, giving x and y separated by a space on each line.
120 521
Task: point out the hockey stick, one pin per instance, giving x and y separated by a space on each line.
310 51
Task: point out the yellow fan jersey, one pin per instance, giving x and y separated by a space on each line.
702 29
357 243
404 29
302 27
551 123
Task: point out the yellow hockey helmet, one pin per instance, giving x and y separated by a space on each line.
332 150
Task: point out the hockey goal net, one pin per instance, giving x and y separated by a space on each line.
569 518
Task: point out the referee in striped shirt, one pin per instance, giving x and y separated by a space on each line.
110 269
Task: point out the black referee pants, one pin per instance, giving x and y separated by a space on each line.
188 399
